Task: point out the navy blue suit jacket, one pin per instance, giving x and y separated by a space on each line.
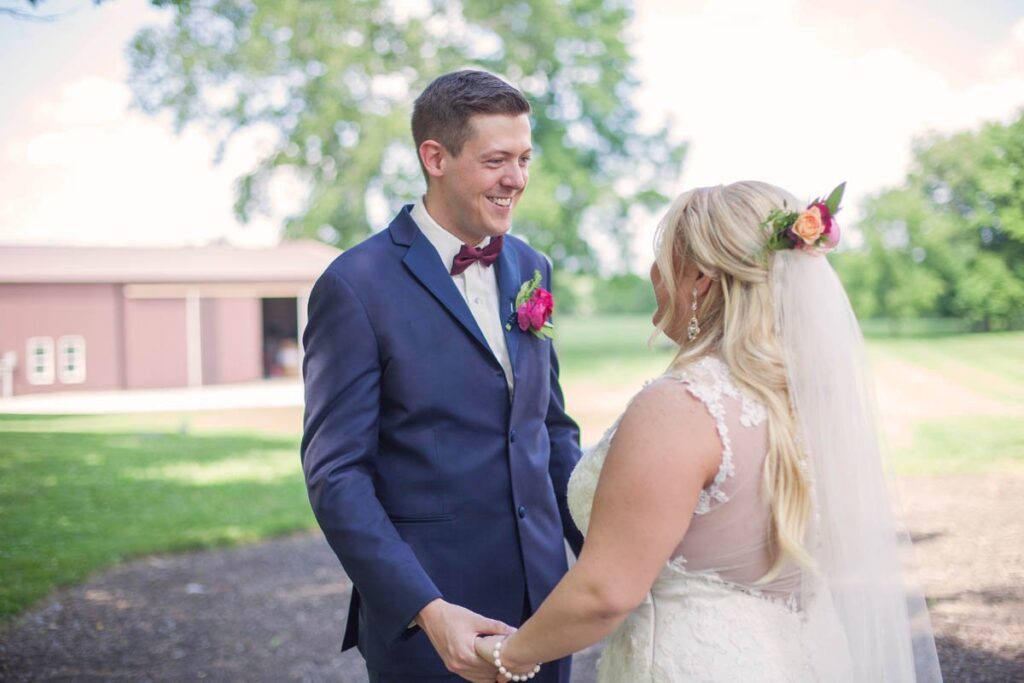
427 478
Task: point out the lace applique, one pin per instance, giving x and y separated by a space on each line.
678 565
753 413
709 380
584 477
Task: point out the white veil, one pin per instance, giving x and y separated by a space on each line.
853 539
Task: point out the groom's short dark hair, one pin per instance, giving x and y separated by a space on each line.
443 110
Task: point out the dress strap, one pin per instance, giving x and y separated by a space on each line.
709 381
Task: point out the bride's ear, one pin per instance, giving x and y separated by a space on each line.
702 283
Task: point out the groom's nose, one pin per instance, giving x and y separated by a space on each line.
515 178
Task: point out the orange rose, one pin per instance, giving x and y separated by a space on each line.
809 225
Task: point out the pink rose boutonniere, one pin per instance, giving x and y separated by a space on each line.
813 230
533 308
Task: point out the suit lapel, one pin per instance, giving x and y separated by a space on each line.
508 286
423 262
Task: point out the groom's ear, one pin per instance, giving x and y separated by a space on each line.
432 156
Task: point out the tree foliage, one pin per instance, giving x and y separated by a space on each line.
950 241
15 11
335 82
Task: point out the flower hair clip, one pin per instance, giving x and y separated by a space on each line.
813 230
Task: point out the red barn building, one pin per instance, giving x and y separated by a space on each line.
131 318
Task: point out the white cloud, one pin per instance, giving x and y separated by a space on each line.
92 101
1007 59
93 171
759 94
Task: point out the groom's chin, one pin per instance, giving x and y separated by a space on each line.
499 229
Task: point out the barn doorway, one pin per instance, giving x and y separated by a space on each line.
281 356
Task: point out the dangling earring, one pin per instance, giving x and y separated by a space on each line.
694 327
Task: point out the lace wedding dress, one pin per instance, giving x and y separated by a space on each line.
706 618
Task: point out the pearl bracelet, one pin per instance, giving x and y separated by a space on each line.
505 672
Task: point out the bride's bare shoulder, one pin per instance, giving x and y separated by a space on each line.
666 396
666 419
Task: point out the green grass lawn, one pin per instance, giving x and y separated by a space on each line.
988 365
992 363
967 445
610 349
78 494
73 501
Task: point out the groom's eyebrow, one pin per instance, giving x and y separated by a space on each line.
505 152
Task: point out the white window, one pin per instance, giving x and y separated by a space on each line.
39 360
71 355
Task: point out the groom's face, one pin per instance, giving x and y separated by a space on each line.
482 185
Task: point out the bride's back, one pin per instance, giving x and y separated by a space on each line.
730 536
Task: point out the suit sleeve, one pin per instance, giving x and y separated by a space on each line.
564 436
342 374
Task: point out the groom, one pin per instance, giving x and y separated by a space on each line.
436 447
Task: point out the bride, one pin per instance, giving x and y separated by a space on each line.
736 518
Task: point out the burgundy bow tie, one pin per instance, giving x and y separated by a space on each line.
467 256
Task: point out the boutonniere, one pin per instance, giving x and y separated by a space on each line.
533 308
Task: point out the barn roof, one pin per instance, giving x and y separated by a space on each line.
290 261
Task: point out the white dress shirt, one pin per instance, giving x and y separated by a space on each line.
477 284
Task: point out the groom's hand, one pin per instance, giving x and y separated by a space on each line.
452 631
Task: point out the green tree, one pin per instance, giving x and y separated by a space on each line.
991 293
15 9
335 82
626 293
977 179
907 263
950 241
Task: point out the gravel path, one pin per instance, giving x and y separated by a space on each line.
274 611
270 612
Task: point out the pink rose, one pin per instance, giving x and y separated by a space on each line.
546 300
535 311
826 215
831 233
527 314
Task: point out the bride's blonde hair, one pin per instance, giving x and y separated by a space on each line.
718 230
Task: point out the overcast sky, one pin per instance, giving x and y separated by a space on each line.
800 93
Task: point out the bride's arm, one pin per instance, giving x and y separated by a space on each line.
665 450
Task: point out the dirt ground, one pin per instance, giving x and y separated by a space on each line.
275 611
969 547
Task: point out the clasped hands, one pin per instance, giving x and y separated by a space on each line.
465 640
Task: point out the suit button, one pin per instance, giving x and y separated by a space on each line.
512 436
522 512
500 373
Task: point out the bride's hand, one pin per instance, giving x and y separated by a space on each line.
485 647
485 650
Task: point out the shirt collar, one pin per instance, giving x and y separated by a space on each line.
446 244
